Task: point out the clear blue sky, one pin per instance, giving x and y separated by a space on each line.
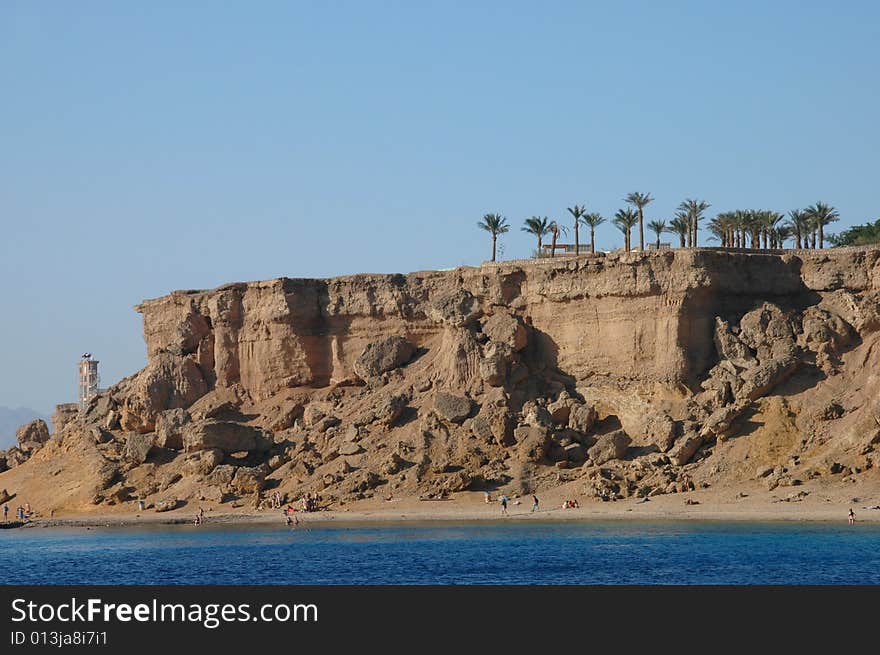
153 146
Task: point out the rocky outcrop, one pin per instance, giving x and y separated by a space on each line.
226 436
637 372
609 446
382 356
32 436
453 408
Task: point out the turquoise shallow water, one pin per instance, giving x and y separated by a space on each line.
515 553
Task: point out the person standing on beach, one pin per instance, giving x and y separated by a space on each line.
5 513
534 503
852 516
504 504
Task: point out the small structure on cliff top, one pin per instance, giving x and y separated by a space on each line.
88 379
563 249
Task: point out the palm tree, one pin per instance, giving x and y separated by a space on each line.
657 227
639 201
625 219
694 210
577 212
799 223
782 234
767 222
539 226
774 220
494 224
722 229
741 220
556 229
680 226
594 220
821 215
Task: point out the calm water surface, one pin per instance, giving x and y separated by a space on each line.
515 553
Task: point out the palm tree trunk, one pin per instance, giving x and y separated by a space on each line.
592 240
553 247
641 231
577 243
494 239
821 236
539 245
797 234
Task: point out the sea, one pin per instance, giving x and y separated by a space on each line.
524 553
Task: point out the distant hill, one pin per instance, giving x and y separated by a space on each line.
11 418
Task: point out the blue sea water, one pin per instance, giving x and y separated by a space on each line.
606 553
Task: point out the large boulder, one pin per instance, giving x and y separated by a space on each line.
560 409
760 380
453 408
686 447
660 431
167 382
532 443
730 347
719 423
170 428
167 505
506 329
582 418
138 447
202 462
457 309
494 425
227 436
768 331
609 446
383 355
389 408
826 334
31 436
248 480
495 364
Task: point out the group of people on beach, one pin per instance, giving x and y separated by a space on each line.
276 500
570 504
310 502
21 513
200 517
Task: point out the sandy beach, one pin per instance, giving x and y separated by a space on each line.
804 503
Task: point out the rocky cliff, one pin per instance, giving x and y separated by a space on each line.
618 374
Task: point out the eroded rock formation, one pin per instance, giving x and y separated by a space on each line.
624 375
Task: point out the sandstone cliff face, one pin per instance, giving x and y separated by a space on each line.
649 362
640 317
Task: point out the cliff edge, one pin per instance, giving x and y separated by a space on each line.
617 375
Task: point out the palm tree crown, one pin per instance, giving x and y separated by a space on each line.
680 226
821 215
639 201
693 209
658 228
593 220
577 212
539 226
555 230
625 219
494 224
